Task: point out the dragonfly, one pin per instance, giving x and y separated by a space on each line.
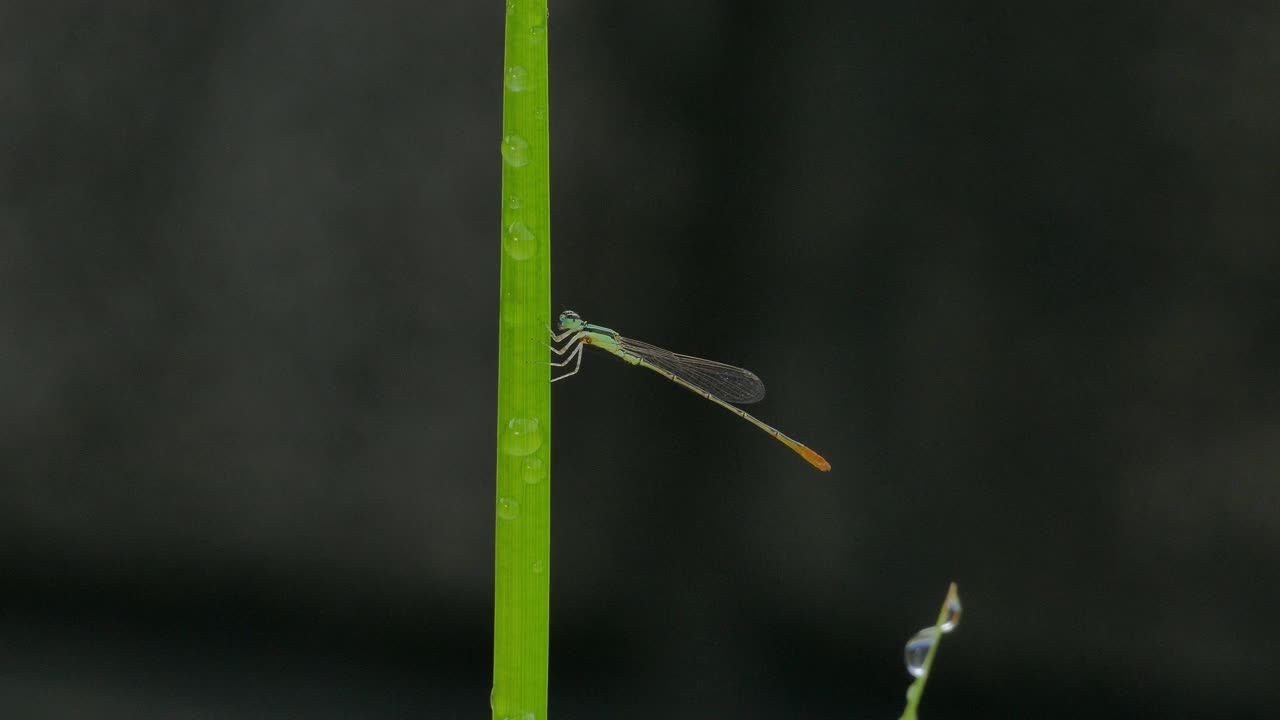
722 384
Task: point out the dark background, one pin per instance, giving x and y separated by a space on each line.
1010 267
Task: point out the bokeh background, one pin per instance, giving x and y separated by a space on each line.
1010 266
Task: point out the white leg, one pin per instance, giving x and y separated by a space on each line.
574 345
568 346
561 336
576 351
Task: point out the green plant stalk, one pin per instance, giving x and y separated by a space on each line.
523 508
916 690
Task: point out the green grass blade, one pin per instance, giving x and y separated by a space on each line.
950 613
523 512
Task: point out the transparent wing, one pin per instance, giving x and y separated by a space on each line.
729 383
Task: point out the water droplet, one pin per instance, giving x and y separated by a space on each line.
533 470
917 650
508 508
952 618
515 151
520 242
512 313
913 693
521 436
513 202
517 78
537 567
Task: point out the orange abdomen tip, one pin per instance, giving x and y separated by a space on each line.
814 458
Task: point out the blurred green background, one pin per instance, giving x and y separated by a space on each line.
1010 267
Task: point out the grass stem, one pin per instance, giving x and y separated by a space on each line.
522 534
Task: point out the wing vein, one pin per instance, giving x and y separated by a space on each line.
729 383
